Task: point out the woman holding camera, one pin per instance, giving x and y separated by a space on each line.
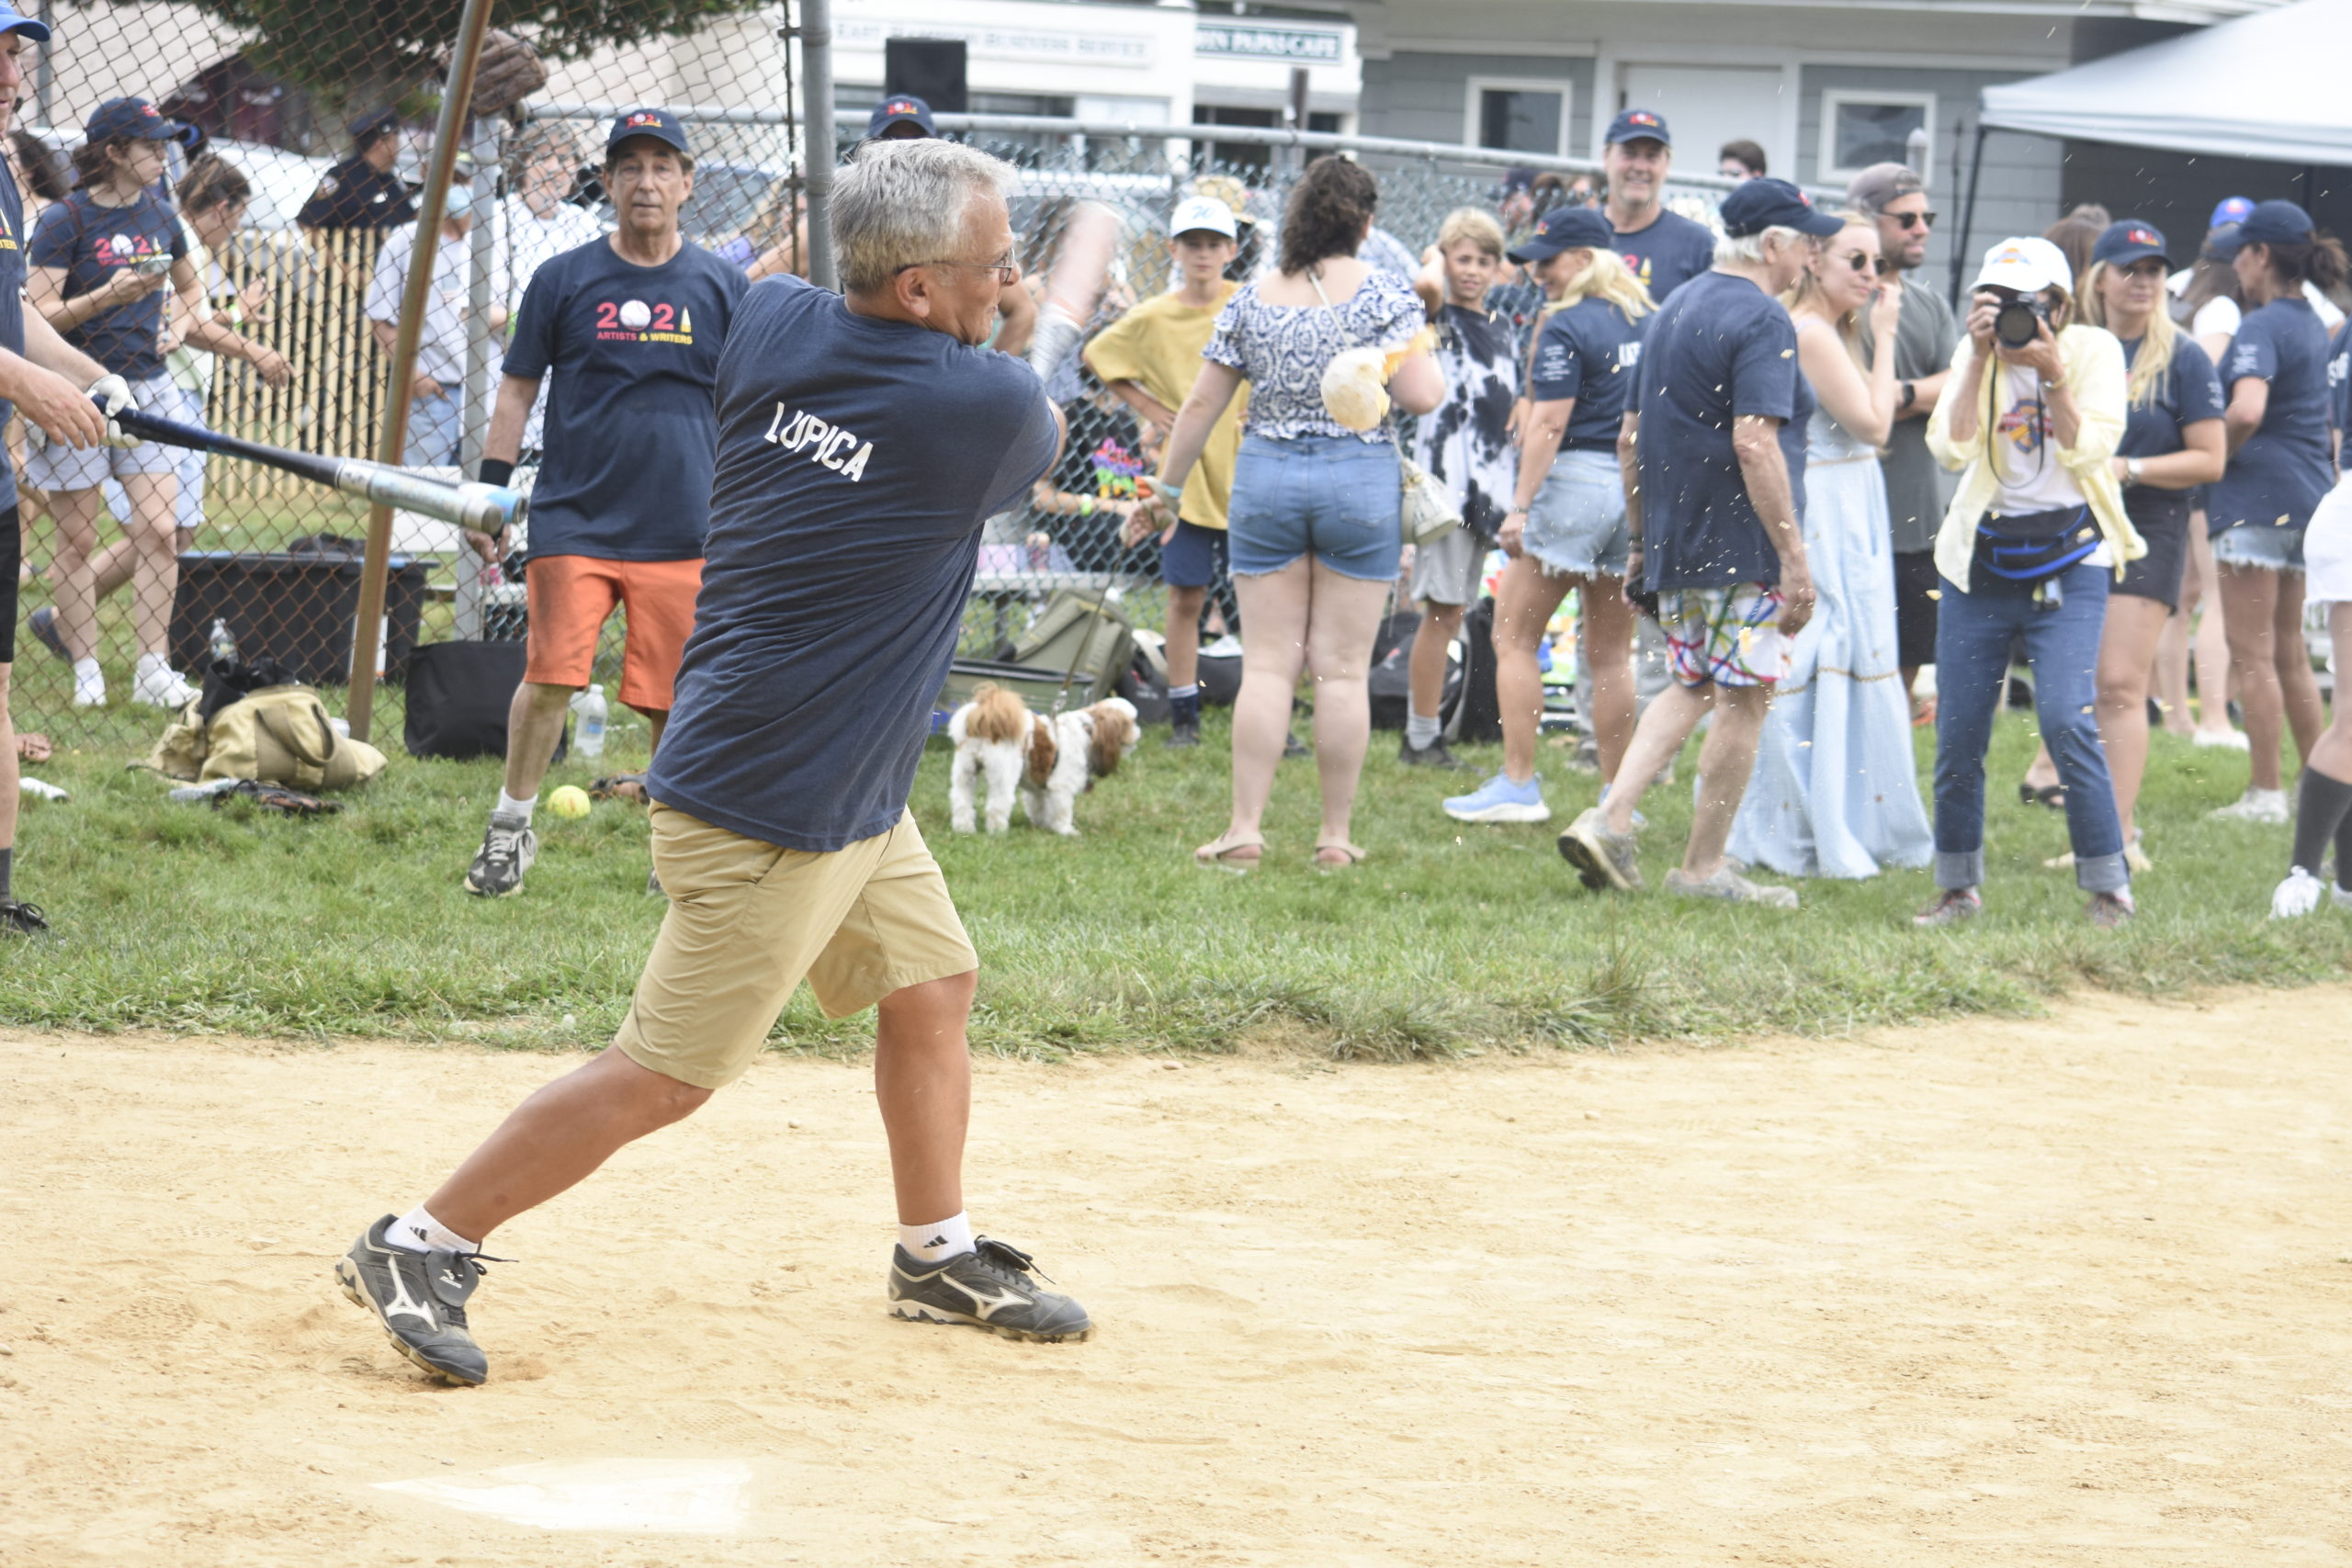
2282 463
101 260
2032 414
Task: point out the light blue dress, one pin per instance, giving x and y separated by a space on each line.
1836 790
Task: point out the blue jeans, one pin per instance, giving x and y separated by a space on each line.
1973 631
433 432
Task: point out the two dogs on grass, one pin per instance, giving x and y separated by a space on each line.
1048 762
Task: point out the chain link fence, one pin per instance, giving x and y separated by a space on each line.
326 113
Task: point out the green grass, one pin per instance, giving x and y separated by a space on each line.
1452 938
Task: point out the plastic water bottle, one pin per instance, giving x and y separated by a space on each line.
222 642
589 707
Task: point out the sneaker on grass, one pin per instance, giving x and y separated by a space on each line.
1952 906
1499 800
21 920
1433 755
2264 806
1727 884
43 623
1182 737
1603 857
508 848
420 1298
992 1287
2299 896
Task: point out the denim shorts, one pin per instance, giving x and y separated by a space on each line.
1578 523
1332 497
2264 545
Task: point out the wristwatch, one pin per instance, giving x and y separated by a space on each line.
2131 470
1910 395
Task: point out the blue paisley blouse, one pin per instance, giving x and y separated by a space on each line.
1282 349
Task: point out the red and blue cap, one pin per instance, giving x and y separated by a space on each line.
1566 228
1757 204
12 23
2270 223
2231 209
2132 240
902 108
659 124
1636 125
136 119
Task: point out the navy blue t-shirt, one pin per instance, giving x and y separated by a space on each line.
1722 348
2339 388
2278 477
625 463
857 461
1589 352
12 302
1668 253
94 242
2189 392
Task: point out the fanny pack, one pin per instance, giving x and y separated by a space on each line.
2032 546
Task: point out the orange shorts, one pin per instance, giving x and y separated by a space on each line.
572 596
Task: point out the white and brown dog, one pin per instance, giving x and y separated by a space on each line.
1050 763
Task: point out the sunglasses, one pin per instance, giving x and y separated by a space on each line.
1913 219
1861 261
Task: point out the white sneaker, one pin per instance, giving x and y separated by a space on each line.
89 685
159 685
2268 805
2298 896
2340 896
2228 740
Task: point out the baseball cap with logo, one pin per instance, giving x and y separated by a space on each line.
903 109
2229 209
2270 223
134 118
659 124
2132 240
2028 265
12 23
1634 125
1757 204
1203 214
1566 228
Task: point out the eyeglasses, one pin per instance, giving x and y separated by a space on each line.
1913 219
1007 268
1861 261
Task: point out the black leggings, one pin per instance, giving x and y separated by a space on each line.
12 555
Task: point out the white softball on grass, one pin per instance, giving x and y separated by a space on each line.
635 315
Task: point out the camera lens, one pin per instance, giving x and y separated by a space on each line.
2016 324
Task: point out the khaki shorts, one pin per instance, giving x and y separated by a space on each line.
748 921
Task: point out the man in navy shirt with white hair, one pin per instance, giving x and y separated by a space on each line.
863 441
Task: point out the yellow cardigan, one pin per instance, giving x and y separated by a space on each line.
2095 373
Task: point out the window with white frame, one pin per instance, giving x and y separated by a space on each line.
1864 127
1517 116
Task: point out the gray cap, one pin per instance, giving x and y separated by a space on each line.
1880 183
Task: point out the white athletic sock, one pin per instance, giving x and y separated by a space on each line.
510 806
1420 732
419 1232
937 1242
1176 693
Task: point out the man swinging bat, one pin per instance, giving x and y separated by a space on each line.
629 328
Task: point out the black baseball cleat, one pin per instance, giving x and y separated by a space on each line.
420 1298
1183 736
990 1287
21 920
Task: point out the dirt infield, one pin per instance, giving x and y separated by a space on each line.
2069 1291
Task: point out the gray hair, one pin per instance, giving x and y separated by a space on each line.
899 204
1748 249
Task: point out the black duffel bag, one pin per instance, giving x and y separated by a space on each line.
458 694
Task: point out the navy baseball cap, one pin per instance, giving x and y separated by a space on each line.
1566 228
659 124
134 118
2130 241
12 23
1757 204
1633 124
2270 223
369 126
2229 209
903 109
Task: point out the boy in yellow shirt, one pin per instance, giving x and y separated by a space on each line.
1147 358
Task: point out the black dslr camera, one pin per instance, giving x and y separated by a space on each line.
2018 321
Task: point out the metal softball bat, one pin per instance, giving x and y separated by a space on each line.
472 505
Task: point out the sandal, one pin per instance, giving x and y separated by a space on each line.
620 787
1230 851
2051 795
1349 855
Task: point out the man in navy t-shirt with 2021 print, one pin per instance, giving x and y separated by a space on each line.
1713 451
864 441
627 331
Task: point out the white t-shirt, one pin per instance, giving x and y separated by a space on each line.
2024 453
2220 315
527 241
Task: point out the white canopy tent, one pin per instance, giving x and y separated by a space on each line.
2268 86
